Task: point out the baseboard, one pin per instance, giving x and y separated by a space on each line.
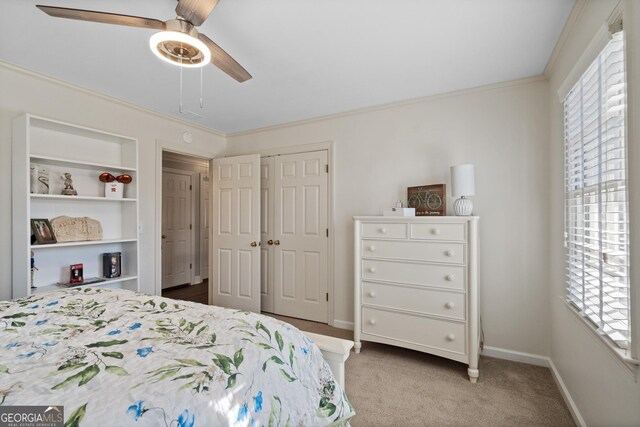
197 280
341 324
535 359
575 413
516 356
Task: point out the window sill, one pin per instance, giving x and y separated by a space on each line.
621 355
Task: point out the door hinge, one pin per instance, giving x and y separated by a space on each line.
326 168
190 226
327 296
190 187
327 232
190 266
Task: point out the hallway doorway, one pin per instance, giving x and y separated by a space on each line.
185 227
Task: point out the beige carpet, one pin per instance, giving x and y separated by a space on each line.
390 386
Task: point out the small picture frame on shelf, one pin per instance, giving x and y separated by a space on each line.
42 230
76 273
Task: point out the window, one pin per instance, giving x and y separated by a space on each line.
596 211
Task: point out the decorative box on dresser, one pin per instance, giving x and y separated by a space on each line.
416 285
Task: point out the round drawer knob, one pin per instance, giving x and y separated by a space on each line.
372 322
435 231
383 231
449 305
372 294
372 269
450 337
372 248
449 252
449 277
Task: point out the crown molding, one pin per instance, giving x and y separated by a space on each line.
572 20
22 70
398 104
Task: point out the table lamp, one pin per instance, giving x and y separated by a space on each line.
463 184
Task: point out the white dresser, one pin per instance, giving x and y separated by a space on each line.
416 285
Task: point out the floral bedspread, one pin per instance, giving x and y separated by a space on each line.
115 358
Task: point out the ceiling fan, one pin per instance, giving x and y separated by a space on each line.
178 41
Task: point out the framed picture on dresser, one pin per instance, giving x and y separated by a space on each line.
428 200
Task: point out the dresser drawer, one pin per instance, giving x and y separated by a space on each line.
438 231
445 276
382 230
422 300
434 333
418 251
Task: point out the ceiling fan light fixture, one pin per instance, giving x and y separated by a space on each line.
180 49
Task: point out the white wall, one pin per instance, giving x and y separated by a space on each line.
503 129
602 389
22 92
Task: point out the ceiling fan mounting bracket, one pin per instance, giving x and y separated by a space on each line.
181 26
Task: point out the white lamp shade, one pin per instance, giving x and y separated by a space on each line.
463 181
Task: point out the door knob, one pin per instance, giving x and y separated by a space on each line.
270 242
254 244
276 242
164 236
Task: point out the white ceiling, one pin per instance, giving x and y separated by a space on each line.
308 58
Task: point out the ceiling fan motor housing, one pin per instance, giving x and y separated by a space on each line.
172 45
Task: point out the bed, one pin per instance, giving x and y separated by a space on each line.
115 357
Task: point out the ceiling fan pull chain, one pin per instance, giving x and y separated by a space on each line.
180 106
201 102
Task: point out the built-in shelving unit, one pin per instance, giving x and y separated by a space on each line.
84 153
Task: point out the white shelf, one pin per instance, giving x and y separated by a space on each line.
42 289
82 243
85 198
78 164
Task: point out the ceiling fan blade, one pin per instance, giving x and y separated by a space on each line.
195 11
224 61
103 17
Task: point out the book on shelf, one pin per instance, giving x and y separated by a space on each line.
87 281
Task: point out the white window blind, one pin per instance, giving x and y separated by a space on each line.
596 211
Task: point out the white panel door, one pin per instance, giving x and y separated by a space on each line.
234 278
267 184
205 224
300 239
176 232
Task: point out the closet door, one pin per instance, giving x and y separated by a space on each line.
267 186
300 235
235 276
